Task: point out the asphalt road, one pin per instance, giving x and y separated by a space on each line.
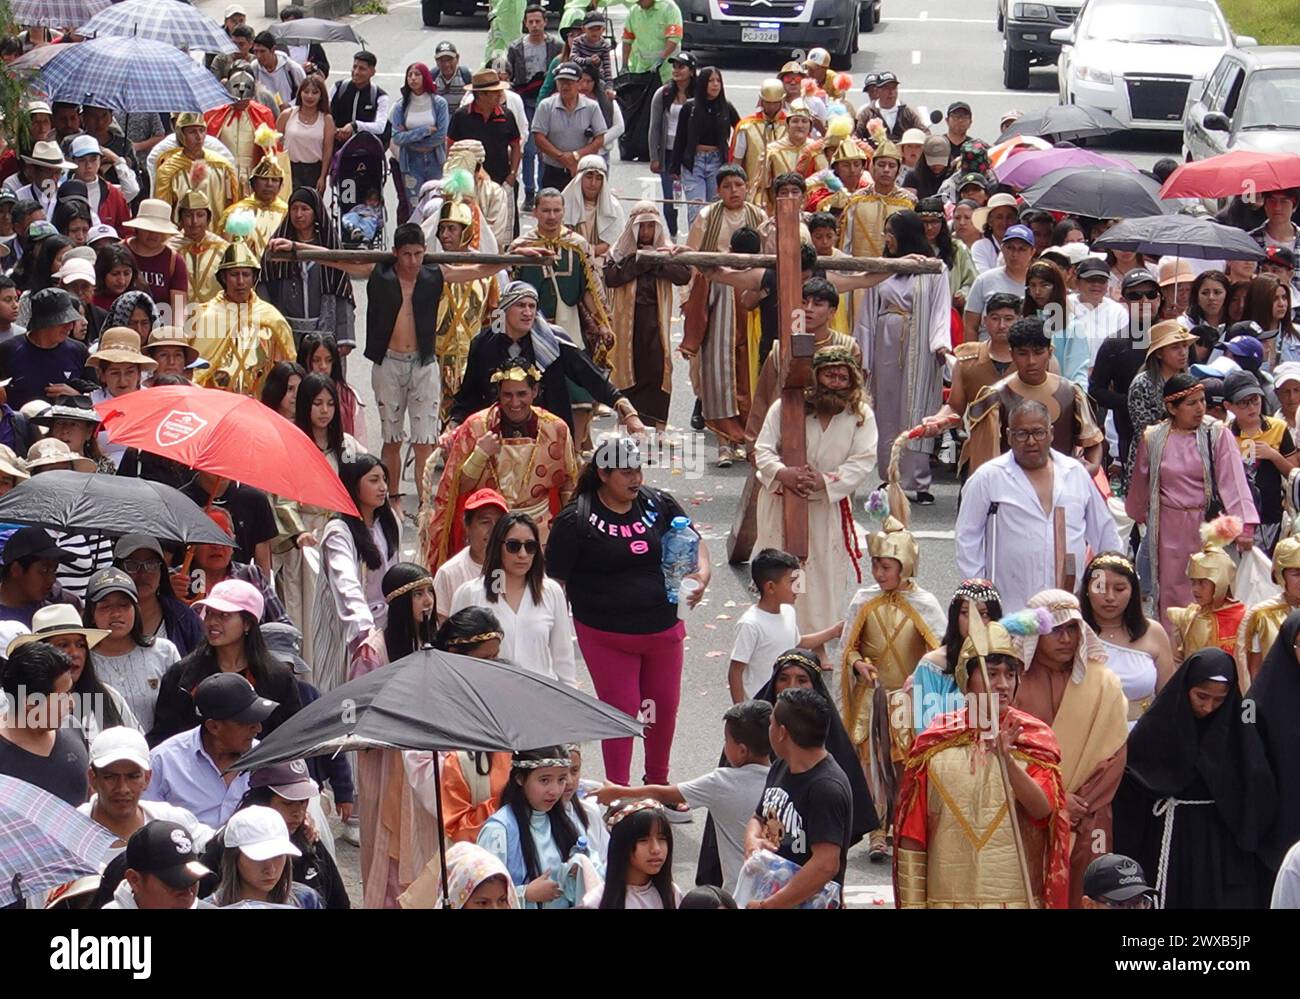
941 50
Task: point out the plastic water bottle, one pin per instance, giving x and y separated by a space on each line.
566 874
681 555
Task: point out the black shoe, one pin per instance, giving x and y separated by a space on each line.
697 416
530 202
924 498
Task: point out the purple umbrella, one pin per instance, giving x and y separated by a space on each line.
44 842
1025 168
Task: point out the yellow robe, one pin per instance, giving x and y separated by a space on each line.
201 261
862 226
267 219
461 313
173 180
784 157
1258 631
758 133
240 342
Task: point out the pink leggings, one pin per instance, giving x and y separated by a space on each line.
632 673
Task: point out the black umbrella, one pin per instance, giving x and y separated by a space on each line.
1096 193
1064 122
306 30
1182 236
112 505
442 702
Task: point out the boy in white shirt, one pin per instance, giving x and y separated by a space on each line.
769 627
730 793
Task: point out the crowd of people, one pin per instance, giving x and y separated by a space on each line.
1123 429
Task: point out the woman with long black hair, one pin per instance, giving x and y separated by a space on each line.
934 681
953 252
703 140
1198 795
323 353
639 868
280 390
904 329
355 554
665 116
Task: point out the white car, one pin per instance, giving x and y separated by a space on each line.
1251 102
1140 59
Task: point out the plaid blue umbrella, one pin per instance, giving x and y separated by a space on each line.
172 21
56 13
44 841
107 72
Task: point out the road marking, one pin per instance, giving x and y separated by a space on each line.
921 16
934 535
943 20
916 57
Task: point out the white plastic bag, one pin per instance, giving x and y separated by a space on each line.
1254 582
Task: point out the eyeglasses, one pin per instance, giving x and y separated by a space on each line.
1020 436
1137 296
138 565
514 546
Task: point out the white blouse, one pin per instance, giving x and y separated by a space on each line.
538 637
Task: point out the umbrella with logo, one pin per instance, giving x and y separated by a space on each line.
1233 174
111 505
1180 236
305 30
1096 193
44 841
1064 122
229 435
172 22
442 702
111 73
56 13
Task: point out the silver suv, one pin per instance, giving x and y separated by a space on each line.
1251 101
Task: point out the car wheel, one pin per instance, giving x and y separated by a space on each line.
1002 20
844 60
431 12
1015 69
867 17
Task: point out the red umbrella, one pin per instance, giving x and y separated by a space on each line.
226 434
1236 173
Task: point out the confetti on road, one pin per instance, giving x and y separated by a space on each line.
714 654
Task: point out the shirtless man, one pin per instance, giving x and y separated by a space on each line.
401 333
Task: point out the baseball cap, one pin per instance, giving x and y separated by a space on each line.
568 71
101 231
871 80
107 581
165 850
290 780
1241 385
973 180
1020 232
284 641
85 145
229 697
1280 255
486 497
1113 877
1287 371
936 150
231 596
1213 386
959 106
617 452
33 542
593 17
129 543
886 79
683 59
232 10
1092 267
1137 276
259 833
119 744
75 270
444 48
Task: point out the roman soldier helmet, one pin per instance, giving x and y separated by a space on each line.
848 150
267 168
185 120
1285 556
194 201
239 255
1000 643
887 150
455 210
798 109
241 86
896 542
1212 562
771 90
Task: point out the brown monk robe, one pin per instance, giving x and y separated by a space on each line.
1068 685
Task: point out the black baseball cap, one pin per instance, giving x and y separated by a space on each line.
683 59
1239 385
872 80
33 542
444 48
973 180
165 850
593 17
959 106
886 79
284 641
1092 267
111 580
229 697
1280 255
1112 877
1137 276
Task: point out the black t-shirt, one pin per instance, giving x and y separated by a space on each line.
62 773
250 512
813 807
613 566
496 132
32 368
767 317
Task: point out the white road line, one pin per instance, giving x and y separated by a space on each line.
916 57
942 20
934 535
923 15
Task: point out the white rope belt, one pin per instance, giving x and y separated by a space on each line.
1167 807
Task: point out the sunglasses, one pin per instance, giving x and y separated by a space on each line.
514 546
139 565
1137 296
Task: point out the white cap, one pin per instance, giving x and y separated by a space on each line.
101 231
76 270
9 630
1287 371
913 137
85 145
232 10
1076 253
114 745
260 833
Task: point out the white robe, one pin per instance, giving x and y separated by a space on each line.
845 454
1024 560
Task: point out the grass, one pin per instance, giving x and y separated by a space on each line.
370 7
1271 22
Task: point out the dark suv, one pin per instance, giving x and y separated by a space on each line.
1027 36
778 25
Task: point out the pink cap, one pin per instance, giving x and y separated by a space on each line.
233 595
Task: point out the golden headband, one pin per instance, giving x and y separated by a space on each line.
1112 562
479 639
516 374
415 584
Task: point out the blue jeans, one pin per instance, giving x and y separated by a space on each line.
700 183
670 210
530 152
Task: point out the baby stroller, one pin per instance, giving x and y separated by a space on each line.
359 167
